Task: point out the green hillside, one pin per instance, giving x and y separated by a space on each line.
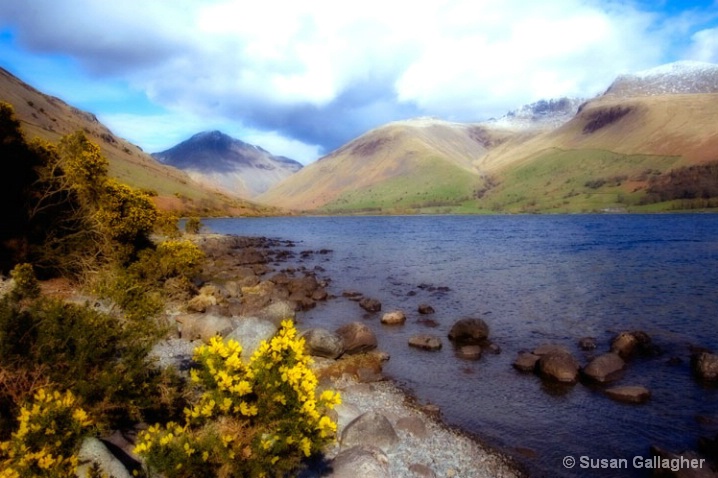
432 183
576 181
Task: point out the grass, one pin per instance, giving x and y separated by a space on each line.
432 184
576 181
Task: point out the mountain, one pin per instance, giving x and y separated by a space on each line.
681 77
221 161
49 118
405 164
650 129
546 114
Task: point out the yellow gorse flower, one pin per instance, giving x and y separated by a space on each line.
272 397
48 435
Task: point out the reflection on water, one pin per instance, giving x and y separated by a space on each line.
533 279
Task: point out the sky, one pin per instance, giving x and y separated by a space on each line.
302 78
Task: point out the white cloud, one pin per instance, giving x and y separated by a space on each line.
705 45
543 50
322 72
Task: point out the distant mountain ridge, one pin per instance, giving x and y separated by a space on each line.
238 168
681 77
562 155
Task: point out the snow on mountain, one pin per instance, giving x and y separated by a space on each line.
681 77
541 114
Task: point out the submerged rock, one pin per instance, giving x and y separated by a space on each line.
396 317
587 343
425 342
626 344
629 394
705 366
560 367
370 305
526 362
604 368
469 331
469 352
425 309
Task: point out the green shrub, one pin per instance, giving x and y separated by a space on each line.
254 418
172 258
26 285
193 225
137 289
97 356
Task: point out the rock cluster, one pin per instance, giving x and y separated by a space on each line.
557 364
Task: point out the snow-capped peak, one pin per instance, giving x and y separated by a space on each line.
681 77
678 68
541 114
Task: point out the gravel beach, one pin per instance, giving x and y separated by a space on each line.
431 450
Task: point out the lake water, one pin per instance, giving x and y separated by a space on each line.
534 280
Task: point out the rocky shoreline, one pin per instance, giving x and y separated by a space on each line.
247 287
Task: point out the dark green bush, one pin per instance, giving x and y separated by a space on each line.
99 357
26 285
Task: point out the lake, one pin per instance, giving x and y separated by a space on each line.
534 279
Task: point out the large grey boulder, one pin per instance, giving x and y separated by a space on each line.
604 368
320 342
469 331
250 332
357 338
361 462
277 311
203 326
93 451
370 428
344 414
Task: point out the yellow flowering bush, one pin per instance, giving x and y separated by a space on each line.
255 418
47 439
